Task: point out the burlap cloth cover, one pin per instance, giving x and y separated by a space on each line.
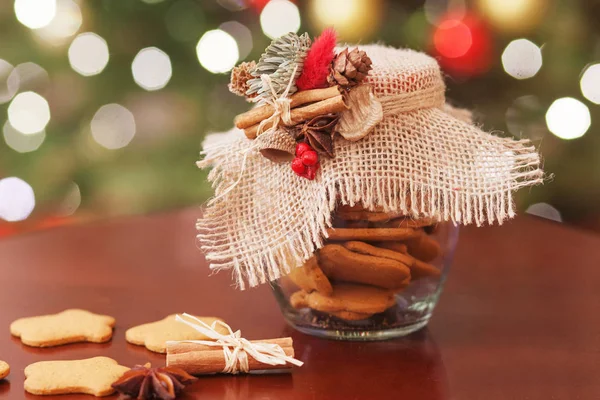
265 220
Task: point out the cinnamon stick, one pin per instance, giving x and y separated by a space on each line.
372 234
198 359
328 106
184 347
254 116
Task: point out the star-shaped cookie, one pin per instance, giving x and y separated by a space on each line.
69 326
90 376
4 369
155 335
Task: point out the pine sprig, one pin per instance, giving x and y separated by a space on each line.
278 61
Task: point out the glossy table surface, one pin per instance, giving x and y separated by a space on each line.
518 319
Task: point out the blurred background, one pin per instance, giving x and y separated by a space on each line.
104 103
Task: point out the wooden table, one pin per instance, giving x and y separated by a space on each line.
519 317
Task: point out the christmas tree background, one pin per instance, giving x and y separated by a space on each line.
104 104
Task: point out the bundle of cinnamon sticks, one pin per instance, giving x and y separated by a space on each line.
197 359
304 105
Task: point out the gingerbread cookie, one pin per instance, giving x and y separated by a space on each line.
372 234
339 263
90 376
310 277
365 215
424 247
346 297
154 335
407 222
340 223
4 369
422 269
395 246
418 268
69 326
369 250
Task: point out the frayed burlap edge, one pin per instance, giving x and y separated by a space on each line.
270 260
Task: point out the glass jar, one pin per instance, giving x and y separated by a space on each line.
378 276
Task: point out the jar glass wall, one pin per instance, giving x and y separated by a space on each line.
378 276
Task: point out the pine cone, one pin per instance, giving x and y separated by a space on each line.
240 76
348 69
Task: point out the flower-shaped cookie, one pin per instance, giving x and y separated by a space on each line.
154 335
4 369
90 376
69 326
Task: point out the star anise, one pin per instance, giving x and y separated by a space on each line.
144 382
318 132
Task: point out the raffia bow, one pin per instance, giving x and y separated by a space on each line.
367 110
236 349
281 105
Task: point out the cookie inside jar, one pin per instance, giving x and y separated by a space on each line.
377 270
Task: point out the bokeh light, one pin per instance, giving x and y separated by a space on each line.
568 118
525 118
522 59
217 51
435 10
71 201
20 142
233 5
242 36
30 77
17 199
590 83
65 23
513 15
113 126
151 68
544 210
35 14
452 38
280 17
9 83
29 112
464 44
354 20
88 54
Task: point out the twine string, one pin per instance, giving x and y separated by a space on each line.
282 113
246 152
236 349
281 105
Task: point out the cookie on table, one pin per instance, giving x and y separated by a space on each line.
69 326
155 335
4 369
89 376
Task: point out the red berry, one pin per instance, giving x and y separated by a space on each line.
311 172
298 166
310 157
301 148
